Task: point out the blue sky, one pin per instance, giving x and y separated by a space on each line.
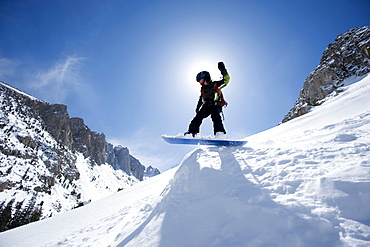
128 67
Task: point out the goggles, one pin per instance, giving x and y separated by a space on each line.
201 81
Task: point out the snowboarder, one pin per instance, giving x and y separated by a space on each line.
210 102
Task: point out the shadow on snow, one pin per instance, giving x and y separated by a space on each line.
203 206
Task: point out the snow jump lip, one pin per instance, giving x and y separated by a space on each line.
209 142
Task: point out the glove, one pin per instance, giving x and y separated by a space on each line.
199 104
221 67
197 109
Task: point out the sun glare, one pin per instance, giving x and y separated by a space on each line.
192 59
196 66
207 65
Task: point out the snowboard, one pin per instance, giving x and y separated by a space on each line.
202 141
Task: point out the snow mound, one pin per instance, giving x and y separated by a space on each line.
216 200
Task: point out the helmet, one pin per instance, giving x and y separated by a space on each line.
204 75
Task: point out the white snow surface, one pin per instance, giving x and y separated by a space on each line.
303 183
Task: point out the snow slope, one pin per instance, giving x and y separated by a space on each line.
303 183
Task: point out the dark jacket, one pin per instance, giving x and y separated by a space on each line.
211 94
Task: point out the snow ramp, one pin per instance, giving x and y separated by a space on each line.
212 201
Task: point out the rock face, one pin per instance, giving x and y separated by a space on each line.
151 171
120 159
348 56
51 163
75 135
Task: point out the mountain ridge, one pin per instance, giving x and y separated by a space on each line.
348 56
42 151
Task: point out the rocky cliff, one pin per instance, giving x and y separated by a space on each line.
51 163
348 56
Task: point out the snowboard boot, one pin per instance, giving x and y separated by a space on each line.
188 134
220 136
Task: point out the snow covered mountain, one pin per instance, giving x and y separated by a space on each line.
348 56
305 182
51 163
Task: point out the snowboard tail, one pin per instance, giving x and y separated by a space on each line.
195 141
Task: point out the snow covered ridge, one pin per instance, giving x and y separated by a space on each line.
348 57
303 183
51 163
2 84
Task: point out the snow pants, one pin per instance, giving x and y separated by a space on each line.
203 113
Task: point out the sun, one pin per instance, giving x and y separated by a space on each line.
189 61
204 65
195 66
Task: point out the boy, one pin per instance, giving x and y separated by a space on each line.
210 102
